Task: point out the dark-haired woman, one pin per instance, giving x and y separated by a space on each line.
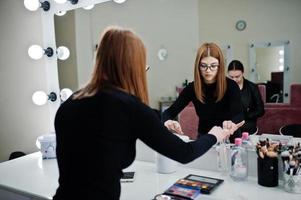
252 103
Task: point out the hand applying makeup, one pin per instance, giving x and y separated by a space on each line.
232 127
219 133
174 126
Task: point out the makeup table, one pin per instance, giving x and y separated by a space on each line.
32 178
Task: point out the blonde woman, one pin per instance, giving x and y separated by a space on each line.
216 98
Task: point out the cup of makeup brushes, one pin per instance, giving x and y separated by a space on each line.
267 170
292 183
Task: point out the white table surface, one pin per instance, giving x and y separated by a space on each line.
33 177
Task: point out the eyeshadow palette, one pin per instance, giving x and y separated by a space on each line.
181 192
192 186
205 184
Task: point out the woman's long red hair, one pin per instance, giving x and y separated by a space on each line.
221 84
120 62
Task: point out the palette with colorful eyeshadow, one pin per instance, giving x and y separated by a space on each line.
204 183
182 192
190 187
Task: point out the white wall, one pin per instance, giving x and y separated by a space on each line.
20 120
172 24
267 21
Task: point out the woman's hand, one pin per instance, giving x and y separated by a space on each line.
219 133
228 129
174 126
232 127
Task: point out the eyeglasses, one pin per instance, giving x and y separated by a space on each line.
212 67
147 67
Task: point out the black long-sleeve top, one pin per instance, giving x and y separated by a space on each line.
253 106
96 138
210 113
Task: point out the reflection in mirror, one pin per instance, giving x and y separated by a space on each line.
168 28
80 30
64 32
267 63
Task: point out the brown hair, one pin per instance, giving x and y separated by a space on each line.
210 49
120 62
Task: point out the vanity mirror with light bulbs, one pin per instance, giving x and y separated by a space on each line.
167 28
51 50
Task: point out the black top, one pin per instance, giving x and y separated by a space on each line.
253 106
210 113
96 138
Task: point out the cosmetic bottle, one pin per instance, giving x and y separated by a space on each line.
222 158
239 161
246 142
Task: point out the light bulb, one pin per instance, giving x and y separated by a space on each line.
32 5
35 52
119 1
63 53
88 7
65 94
60 1
39 98
281 52
61 13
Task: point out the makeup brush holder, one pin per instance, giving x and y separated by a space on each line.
292 183
267 171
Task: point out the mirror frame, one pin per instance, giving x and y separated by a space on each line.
50 41
253 74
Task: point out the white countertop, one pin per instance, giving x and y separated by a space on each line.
33 177
30 175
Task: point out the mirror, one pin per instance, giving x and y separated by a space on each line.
168 28
269 66
80 30
65 34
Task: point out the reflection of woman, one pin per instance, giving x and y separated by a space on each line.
98 126
253 106
215 97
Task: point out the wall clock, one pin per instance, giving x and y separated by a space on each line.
241 25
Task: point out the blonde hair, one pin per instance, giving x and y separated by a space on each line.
120 62
210 49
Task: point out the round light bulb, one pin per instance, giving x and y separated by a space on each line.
60 1
119 1
35 52
281 52
32 5
62 53
88 7
39 98
65 94
61 13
